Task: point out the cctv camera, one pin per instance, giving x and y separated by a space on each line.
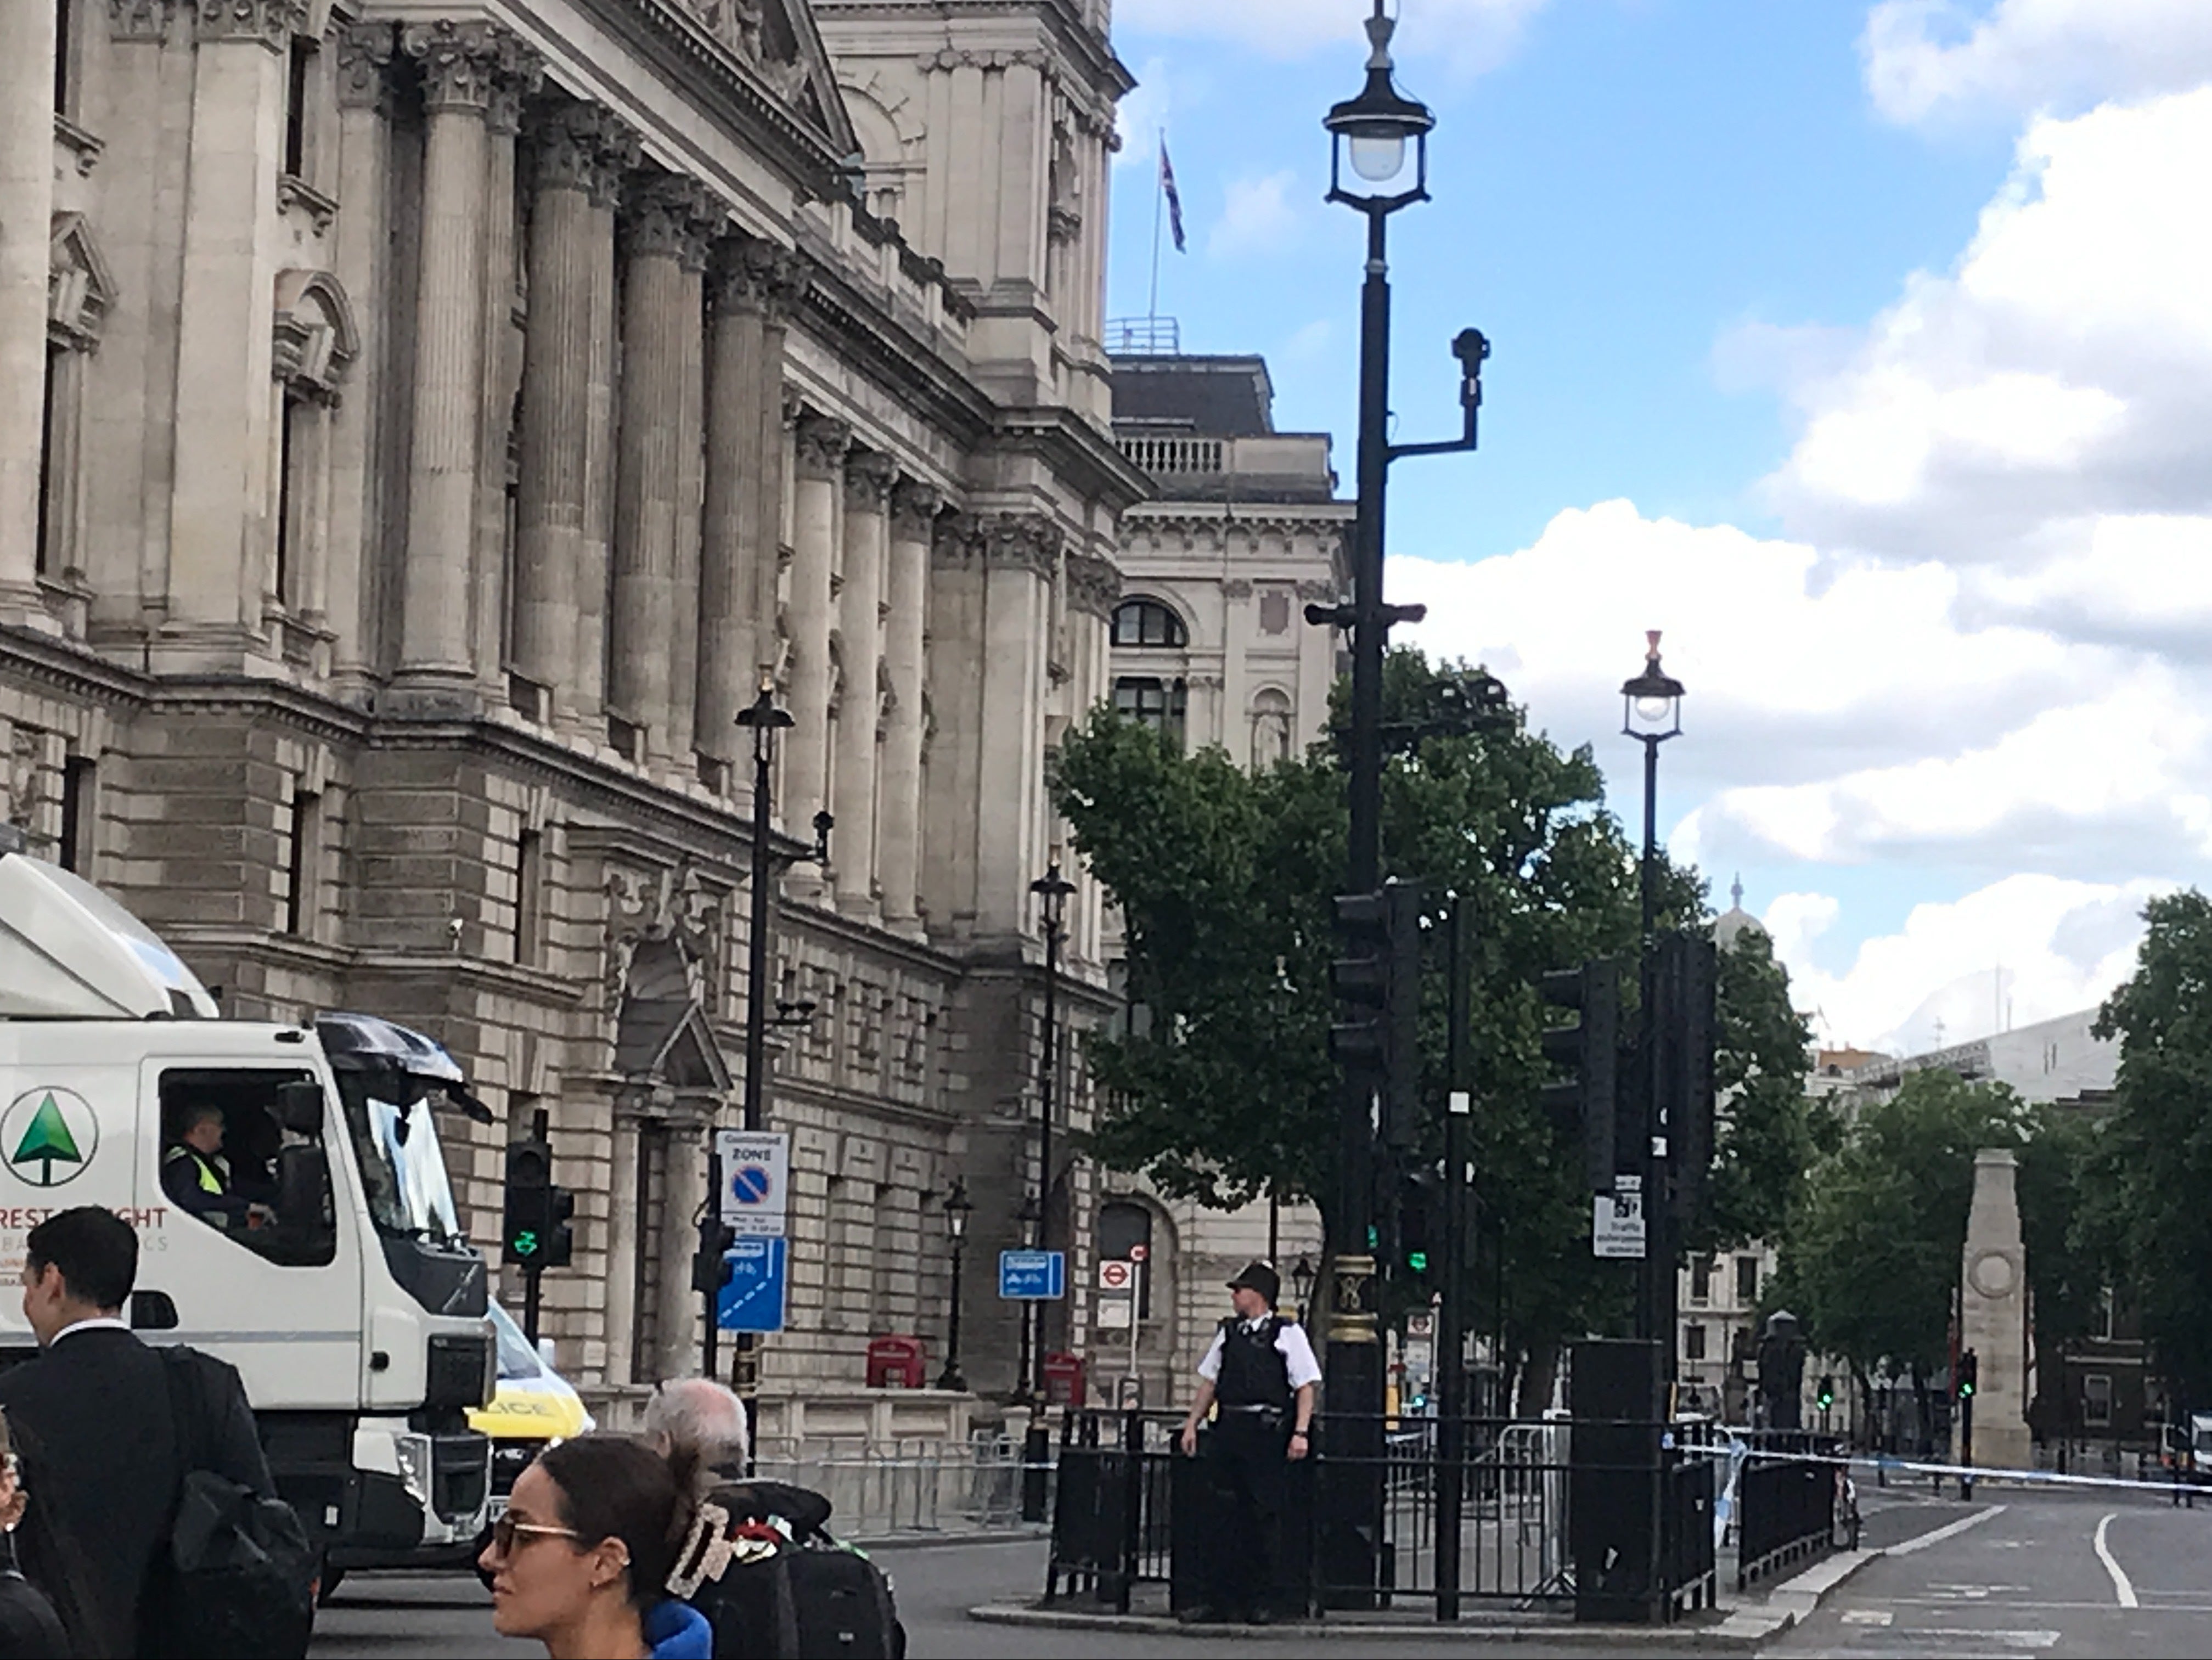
1471 348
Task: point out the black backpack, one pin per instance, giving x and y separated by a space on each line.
813 1598
236 1575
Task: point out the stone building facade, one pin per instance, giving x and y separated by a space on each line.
423 428
1210 640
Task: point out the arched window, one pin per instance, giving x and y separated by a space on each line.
1123 1224
1271 729
1161 704
1143 623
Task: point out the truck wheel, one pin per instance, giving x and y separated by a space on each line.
330 1578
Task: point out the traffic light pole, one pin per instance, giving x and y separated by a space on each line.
539 1127
1451 1319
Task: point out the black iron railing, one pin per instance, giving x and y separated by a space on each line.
1787 1500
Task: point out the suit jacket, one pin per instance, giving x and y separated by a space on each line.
93 1414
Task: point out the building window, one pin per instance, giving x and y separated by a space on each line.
80 798
287 499
1123 1225
1701 1281
64 43
1162 705
51 479
1147 622
1747 1282
298 894
529 895
298 86
2097 1401
2101 1322
1693 1341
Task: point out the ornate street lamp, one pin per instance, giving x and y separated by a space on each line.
1053 891
957 1209
1302 1284
1373 131
1652 713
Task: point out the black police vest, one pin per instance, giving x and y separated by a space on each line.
1254 1372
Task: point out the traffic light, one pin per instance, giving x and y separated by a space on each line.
527 1224
710 1264
560 1233
1970 1373
1420 1216
1827 1391
1377 983
1684 1030
1589 1053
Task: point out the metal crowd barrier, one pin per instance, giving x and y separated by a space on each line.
908 1486
1785 1500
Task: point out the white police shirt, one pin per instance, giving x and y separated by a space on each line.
1291 1343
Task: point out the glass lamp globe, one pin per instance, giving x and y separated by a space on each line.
1378 158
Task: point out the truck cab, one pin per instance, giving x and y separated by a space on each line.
346 1294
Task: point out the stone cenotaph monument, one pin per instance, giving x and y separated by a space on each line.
1993 1314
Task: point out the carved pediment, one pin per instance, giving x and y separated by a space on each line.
80 286
778 41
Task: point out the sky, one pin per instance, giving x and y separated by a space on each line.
1863 349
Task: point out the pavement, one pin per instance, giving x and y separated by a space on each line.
2017 1572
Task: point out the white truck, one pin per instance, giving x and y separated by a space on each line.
349 1299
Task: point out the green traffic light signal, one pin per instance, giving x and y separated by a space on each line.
1966 1389
525 1243
1418 1260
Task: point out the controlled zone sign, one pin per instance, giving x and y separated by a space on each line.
756 1181
753 1299
1033 1276
1617 1226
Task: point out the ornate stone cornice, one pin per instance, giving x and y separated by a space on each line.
868 480
1021 541
1094 585
140 20
517 80
1237 588
270 22
915 508
463 63
667 216
621 150
751 273
364 52
566 142
823 443
1319 592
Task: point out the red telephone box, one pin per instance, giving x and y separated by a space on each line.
895 1363
1064 1383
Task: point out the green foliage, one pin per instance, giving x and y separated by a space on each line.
1772 1131
1222 1088
2152 1172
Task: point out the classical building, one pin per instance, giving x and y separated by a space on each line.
423 428
1210 642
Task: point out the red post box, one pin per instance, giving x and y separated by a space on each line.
895 1363
1065 1384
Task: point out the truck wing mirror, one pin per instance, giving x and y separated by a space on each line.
299 1107
152 1310
303 1186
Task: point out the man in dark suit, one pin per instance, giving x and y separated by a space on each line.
94 1408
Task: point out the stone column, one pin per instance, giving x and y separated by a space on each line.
618 152
26 205
691 491
663 253
557 399
364 142
822 446
623 1244
521 71
219 508
460 63
783 276
868 480
677 1310
914 519
1021 555
1993 1301
737 468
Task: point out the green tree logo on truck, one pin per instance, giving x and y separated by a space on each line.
49 1136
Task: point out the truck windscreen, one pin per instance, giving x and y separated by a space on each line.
402 1165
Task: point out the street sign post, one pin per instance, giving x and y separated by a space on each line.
756 1181
1033 1276
752 1299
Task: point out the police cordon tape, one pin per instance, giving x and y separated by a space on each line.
1961 1472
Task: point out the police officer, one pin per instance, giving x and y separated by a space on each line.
1260 1372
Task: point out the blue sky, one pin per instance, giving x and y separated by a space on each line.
1827 338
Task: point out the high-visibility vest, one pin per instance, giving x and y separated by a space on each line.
212 1178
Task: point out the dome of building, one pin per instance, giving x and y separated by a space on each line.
1731 923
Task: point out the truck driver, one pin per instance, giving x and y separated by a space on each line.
198 1177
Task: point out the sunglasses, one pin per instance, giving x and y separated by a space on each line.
506 1533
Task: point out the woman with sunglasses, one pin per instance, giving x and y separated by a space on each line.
582 1557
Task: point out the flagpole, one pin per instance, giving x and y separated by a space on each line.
1159 210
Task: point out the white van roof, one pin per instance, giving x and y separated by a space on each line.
67 951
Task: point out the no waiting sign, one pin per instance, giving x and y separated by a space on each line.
756 1181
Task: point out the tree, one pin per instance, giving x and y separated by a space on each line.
46 1140
1221 1088
1770 1131
2153 1170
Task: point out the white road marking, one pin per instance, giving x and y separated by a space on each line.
1867 1616
1952 1531
2122 1586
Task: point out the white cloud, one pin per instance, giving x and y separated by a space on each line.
1257 217
1472 36
1927 58
2020 949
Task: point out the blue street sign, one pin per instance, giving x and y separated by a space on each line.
753 1300
1033 1276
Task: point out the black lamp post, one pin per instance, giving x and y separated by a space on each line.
1053 891
1652 713
956 1208
765 720
1379 164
